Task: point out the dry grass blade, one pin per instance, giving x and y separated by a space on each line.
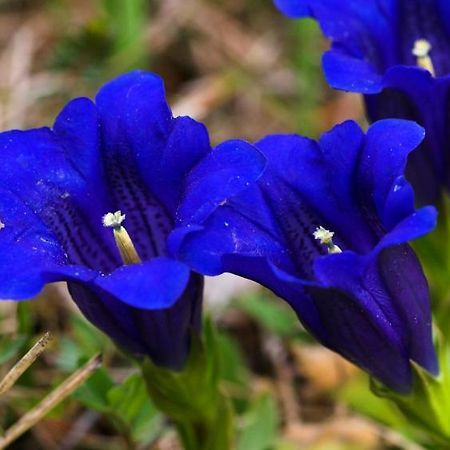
12 376
48 403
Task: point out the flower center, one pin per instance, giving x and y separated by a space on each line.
124 243
421 51
325 237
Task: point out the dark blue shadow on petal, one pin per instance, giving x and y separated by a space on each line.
370 302
124 152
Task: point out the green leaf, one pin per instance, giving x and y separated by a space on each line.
127 22
428 405
10 346
232 366
89 339
69 354
131 403
358 396
172 391
260 425
191 397
25 319
434 253
94 392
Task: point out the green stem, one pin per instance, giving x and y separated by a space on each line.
208 433
192 397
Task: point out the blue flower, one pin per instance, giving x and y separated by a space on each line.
396 52
123 160
326 228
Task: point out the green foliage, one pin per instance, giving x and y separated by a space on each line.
428 405
260 424
109 43
94 392
434 253
358 397
10 346
232 367
127 405
85 341
192 397
306 46
130 403
126 20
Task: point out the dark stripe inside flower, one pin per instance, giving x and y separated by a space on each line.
122 162
327 228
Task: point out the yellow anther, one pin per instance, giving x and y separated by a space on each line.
325 237
421 51
124 243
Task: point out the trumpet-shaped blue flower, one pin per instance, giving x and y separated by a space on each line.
92 200
326 228
395 52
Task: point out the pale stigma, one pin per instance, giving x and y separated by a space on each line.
325 237
2 225
421 51
124 243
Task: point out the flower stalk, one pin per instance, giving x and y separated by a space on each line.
192 397
427 406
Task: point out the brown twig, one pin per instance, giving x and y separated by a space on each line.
22 365
48 403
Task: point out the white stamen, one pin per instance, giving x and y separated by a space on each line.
2 225
325 237
421 48
124 243
113 220
421 51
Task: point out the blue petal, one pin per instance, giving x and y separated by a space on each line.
362 41
348 73
77 129
353 332
35 178
293 8
162 334
389 140
227 170
137 125
444 12
323 197
154 284
412 93
57 184
389 287
283 211
353 185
